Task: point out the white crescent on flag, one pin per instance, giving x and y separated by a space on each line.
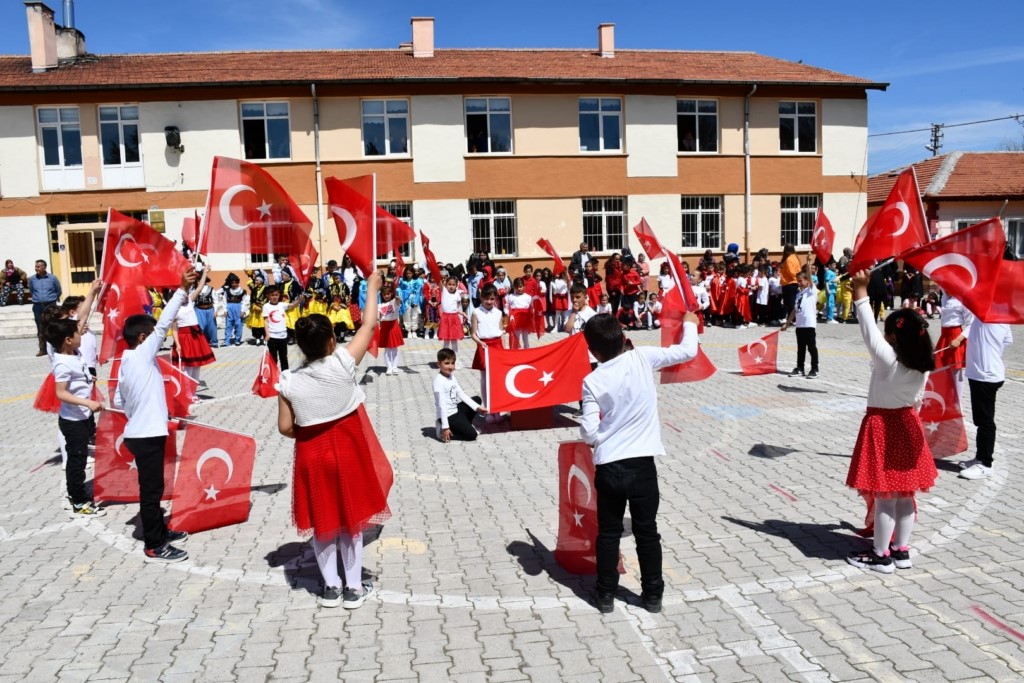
757 342
350 225
225 206
218 454
957 260
576 473
904 214
177 385
510 381
933 396
117 252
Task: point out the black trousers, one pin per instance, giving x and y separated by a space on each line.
461 423
876 307
257 332
615 298
149 460
807 340
983 412
278 349
789 293
77 434
37 313
633 481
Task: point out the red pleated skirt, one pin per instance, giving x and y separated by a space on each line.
341 479
195 350
479 359
450 327
891 458
561 302
390 334
948 356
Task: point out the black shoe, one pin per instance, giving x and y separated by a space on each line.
604 602
176 536
813 374
165 553
869 560
797 372
331 597
651 603
900 558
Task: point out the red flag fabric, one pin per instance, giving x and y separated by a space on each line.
399 263
351 205
432 266
577 510
392 233
179 388
118 304
896 227
966 264
136 254
672 309
248 212
648 240
190 231
1007 304
265 385
538 377
305 262
946 438
760 357
941 399
549 249
652 246
823 238
116 476
214 479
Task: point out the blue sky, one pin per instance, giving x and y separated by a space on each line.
945 64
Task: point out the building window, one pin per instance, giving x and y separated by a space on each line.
798 127
604 222
266 133
488 124
403 212
385 127
600 124
1015 236
702 222
799 211
119 135
60 136
963 223
494 226
697 125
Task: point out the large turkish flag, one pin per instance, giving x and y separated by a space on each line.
823 237
897 226
534 378
577 510
117 478
136 254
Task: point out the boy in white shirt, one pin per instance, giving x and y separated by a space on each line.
805 315
620 420
578 317
277 326
455 409
986 373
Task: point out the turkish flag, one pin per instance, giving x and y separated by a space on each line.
399 263
136 254
1007 304
116 477
265 385
549 249
940 400
534 378
966 264
248 212
575 551
673 307
896 227
190 231
214 479
648 240
179 388
354 213
306 259
823 237
946 438
432 266
392 233
118 305
760 357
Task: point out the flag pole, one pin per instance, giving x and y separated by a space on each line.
373 217
873 268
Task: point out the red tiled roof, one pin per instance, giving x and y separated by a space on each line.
959 175
339 66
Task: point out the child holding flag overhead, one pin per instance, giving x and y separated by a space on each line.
191 349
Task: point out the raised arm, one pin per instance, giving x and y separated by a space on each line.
85 308
151 346
361 341
199 285
881 351
682 352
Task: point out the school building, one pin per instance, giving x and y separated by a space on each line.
483 149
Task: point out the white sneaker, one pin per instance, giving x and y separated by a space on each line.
833 322
752 324
964 464
977 471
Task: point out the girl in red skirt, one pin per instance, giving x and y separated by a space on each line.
891 461
519 308
952 344
341 477
560 297
449 330
390 327
191 350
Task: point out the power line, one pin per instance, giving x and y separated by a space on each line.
931 128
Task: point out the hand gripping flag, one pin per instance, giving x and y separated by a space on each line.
896 227
549 249
432 266
823 237
760 357
214 479
117 478
534 378
134 254
265 385
577 510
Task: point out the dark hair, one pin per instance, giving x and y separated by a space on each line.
604 336
39 260
312 334
528 265
50 313
911 342
445 355
518 282
59 330
577 289
137 325
273 289
488 290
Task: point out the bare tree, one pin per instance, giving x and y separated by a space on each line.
1011 145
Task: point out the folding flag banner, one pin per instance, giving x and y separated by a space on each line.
760 357
575 550
265 385
135 254
549 249
355 216
432 266
118 305
116 476
534 378
823 237
896 227
179 388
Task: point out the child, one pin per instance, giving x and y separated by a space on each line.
844 299
519 307
955 321
760 288
450 328
775 302
257 298
743 313
805 314
654 309
390 327
930 302
831 289
592 281
504 285
274 314
291 292
140 391
234 297
464 314
340 318
605 306
455 409
578 317
620 420
630 289
486 330
665 280
341 477
432 318
191 348
986 373
891 460
560 297
640 314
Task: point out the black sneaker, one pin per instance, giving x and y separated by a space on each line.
604 602
813 374
797 372
176 536
165 553
869 560
331 597
900 558
353 600
651 603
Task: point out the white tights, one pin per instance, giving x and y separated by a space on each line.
192 371
452 344
524 338
350 549
391 359
893 515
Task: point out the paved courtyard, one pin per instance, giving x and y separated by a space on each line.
755 522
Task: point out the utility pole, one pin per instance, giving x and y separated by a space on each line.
936 143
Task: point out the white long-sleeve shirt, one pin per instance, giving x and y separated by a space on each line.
620 409
448 394
985 352
701 293
140 386
953 313
893 384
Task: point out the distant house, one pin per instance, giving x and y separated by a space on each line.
962 188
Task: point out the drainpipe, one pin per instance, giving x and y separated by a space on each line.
748 210
319 171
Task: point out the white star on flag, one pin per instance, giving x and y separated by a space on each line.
578 516
264 209
758 359
211 493
114 315
546 378
132 465
932 427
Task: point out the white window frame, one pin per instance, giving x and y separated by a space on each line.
403 212
697 114
125 173
795 117
492 238
511 124
388 117
806 215
62 176
601 122
603 208
698 207
266 133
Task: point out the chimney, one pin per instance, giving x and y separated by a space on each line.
42 36
606 39
69 13
422 36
